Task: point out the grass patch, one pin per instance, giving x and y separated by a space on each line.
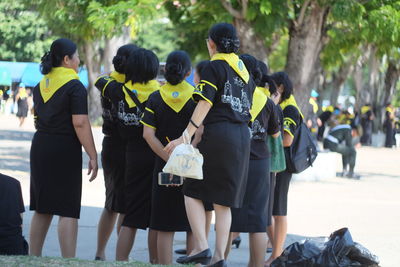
22 261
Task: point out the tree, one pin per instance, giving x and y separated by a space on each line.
95 26
24 36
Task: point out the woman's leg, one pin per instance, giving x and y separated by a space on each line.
39 226
190 242
152 245
67 236
280 226
126 237
270 233
208 222
119 222
104 230
257 245
197 220
223 219
164 247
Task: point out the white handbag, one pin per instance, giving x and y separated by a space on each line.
185 160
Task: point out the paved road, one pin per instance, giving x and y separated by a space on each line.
369 207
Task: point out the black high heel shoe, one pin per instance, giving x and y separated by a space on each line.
203 258
221 263
236 241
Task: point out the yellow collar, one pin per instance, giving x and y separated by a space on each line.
290 102
365 109
236 64
22 93
142 91
259 101
54 80
119 77
389 109
314 105
176 96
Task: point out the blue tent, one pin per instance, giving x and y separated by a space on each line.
16 69
83 76
5 77
32 75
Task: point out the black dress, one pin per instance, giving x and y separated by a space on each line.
139 158
252 217
11 207
168 206
22 104
56 153
113 154
225 144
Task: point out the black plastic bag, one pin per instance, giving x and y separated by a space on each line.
339 251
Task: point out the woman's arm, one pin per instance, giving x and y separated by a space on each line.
84 132
149 134
287 139
200 112
197 136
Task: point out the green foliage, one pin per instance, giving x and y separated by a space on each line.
158 36
24 35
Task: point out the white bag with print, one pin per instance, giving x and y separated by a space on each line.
185 160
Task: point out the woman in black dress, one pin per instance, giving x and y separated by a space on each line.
130 99
252 216
112 159
22 101
167 114
224 94
292 117
62 128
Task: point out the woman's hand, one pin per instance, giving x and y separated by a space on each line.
276 97
92 168
171 146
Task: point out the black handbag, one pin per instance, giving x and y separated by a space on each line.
302 153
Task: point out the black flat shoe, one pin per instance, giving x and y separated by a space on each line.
236 241
181 251
203 258
97 258
221 263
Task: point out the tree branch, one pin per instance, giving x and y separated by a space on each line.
300 19
235 13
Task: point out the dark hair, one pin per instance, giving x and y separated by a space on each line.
266 79
281 78
225 38
119 60
59 49
177 66
200 66
141 66
252 67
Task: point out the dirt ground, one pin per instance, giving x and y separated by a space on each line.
369 207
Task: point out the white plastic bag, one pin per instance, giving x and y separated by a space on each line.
185 160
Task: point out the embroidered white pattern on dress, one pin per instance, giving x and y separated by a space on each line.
128 119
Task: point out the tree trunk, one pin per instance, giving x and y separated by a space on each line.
391 78
250 42
373 80
93 68
358 84
307 35
338 80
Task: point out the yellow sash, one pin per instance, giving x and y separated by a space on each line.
236 64
389 109
176 96
54 80
119 77
22 93
142 91
365 109
291 102
259 101
314 105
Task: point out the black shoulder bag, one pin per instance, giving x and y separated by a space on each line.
133 96
302 153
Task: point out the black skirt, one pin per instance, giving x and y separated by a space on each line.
252 216
22 108
56 174
113 162
168 211
281 193
225 147
139 166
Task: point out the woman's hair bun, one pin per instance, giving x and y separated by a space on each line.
225 37
177 66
